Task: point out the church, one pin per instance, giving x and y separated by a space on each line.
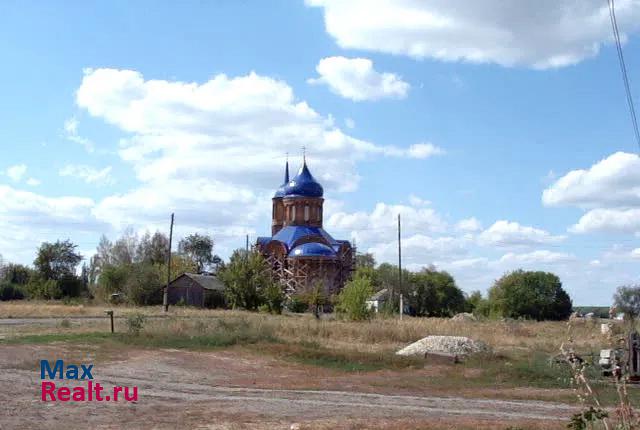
300 252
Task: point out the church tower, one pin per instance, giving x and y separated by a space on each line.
303 200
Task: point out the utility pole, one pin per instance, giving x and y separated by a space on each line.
246 247
165 296
399 258
401 306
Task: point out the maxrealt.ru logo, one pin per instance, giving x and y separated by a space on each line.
90 391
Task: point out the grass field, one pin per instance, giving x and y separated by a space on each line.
521 364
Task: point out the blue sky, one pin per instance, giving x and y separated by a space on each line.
500 133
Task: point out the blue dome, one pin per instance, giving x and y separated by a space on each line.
303 185
312 249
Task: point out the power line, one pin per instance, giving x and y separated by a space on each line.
623 69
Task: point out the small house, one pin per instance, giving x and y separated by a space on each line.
376 301
196 290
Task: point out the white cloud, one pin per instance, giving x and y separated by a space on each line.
469 225
635 253
612 182
17 172
608 221
536 257
33 182
424 150
71 133
539 34
357 80
88 174
506 233
237 129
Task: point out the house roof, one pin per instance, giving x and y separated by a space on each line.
379 296
208 282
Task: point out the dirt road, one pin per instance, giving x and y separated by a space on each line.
230 389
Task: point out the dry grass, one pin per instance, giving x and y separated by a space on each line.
370 336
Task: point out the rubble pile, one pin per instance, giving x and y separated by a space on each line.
453 345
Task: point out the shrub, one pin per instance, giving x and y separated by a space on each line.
39 288
10 291
297 304
135 323
245 278
352 301
273 298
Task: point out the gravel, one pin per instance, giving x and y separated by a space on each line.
455 345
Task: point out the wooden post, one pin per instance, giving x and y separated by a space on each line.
401 307
399 260
110 313
165 296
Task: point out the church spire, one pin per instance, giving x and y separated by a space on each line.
286 170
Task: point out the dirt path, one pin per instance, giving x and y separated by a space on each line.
180 389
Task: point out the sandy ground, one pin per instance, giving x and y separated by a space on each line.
238 389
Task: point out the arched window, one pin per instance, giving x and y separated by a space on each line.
293 213
306 212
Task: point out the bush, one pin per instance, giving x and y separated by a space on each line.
48 289
535 295
10 291
246 278
352 301
135 323
297 304
144 285
273 298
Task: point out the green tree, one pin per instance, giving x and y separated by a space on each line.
273 298
246 277
113 280
57 260
534 295
153 249
627 300
352 300
365 260
435 293
199 248
16 274
144 284
41 288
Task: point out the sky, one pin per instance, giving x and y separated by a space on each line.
498 130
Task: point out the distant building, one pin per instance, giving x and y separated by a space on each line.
301 253
376 301
196 290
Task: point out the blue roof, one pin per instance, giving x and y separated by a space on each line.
312 249
291 233
303 185
280 190
263 240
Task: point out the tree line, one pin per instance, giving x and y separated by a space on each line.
426 293
133 269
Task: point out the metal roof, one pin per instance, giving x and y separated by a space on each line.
290 234
312 249
208 282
